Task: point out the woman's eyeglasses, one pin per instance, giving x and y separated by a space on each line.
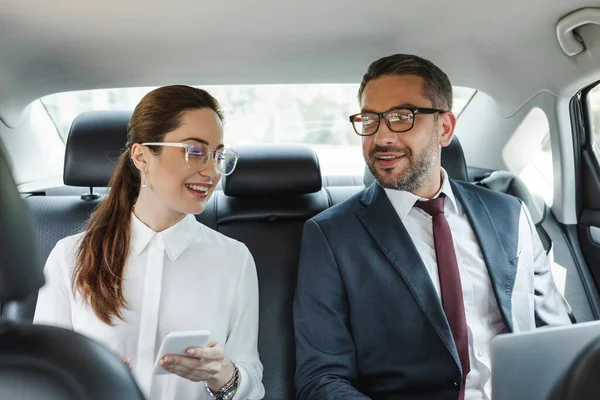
197 156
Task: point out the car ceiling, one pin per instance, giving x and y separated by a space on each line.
507 49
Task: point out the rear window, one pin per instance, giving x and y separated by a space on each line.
315 115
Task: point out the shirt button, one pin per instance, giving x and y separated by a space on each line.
480 353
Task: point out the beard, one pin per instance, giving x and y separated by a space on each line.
414 175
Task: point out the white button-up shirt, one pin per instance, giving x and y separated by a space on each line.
187 277
484 320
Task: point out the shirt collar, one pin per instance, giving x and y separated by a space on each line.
404 201
175 239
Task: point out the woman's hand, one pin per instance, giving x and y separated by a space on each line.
207 364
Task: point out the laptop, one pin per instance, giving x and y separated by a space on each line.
528 365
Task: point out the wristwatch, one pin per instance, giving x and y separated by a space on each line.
228 391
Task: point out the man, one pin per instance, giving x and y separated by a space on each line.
402 287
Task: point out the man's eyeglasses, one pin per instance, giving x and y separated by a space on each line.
197 156
397 119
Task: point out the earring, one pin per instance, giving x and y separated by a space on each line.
144 186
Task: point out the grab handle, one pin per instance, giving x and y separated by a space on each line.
570 42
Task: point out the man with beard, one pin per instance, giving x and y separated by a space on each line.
402 287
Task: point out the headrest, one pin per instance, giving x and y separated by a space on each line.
453 161
21 272
95 142
274 170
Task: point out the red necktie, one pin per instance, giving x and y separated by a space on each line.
451 288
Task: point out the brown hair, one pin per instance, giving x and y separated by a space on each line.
437 86
104 247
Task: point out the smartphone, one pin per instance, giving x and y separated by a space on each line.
177 343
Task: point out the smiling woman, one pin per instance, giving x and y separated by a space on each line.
312 114
134 275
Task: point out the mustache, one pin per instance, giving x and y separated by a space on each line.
390 149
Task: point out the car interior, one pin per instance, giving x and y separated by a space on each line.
525 74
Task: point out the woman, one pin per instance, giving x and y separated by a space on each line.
145 267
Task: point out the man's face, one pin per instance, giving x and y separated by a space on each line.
406 160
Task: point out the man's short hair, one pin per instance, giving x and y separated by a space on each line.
436 86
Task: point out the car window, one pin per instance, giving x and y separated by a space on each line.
312 114
529 154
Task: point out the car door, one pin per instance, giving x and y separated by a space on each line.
585 109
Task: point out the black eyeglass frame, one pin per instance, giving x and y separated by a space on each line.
379 116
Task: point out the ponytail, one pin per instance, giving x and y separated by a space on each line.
98 275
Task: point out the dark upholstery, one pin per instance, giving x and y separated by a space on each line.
43 362
265 204
55 218
271 227
20 269
95 142
274 170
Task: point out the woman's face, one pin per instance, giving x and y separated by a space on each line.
170 181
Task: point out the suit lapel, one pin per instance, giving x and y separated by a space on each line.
502 272
382 222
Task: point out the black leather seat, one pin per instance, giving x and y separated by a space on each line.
41 362
265 204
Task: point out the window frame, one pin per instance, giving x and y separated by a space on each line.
588 127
